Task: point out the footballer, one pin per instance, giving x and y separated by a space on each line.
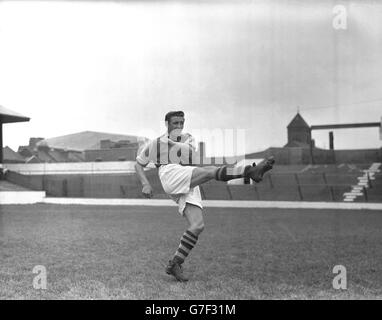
172 155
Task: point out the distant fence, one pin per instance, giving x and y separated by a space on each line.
34 182
266 191
88 185
299 155
280 187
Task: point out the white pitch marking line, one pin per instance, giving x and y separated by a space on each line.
221 203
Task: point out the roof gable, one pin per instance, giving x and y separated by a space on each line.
10 155
298 122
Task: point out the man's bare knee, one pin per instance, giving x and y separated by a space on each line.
195 218
197 228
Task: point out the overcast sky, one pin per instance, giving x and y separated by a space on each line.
118 67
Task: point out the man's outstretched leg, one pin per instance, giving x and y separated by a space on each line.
201 175
194 216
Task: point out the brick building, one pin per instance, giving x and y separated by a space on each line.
122 150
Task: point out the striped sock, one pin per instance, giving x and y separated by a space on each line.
187 242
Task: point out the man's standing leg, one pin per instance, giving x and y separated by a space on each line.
194 216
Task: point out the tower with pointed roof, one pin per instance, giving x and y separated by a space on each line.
299 132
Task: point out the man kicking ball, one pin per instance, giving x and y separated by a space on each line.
172 155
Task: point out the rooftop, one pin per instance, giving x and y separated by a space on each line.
7 116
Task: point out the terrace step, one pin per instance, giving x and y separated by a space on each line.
363 182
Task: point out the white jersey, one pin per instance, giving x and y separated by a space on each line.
175 172
161 153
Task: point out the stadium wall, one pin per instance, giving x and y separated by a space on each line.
299 155
112 154
358 156
123 185
275 187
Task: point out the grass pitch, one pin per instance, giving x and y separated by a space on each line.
108 252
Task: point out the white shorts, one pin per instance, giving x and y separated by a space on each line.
176 181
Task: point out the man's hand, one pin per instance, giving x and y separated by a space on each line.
147 191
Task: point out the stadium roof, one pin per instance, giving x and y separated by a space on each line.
7 116
85 140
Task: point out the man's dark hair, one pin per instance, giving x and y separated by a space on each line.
171 114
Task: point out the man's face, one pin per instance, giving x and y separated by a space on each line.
175 123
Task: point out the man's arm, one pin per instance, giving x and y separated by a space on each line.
147 189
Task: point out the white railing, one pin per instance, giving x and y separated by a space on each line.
72 167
